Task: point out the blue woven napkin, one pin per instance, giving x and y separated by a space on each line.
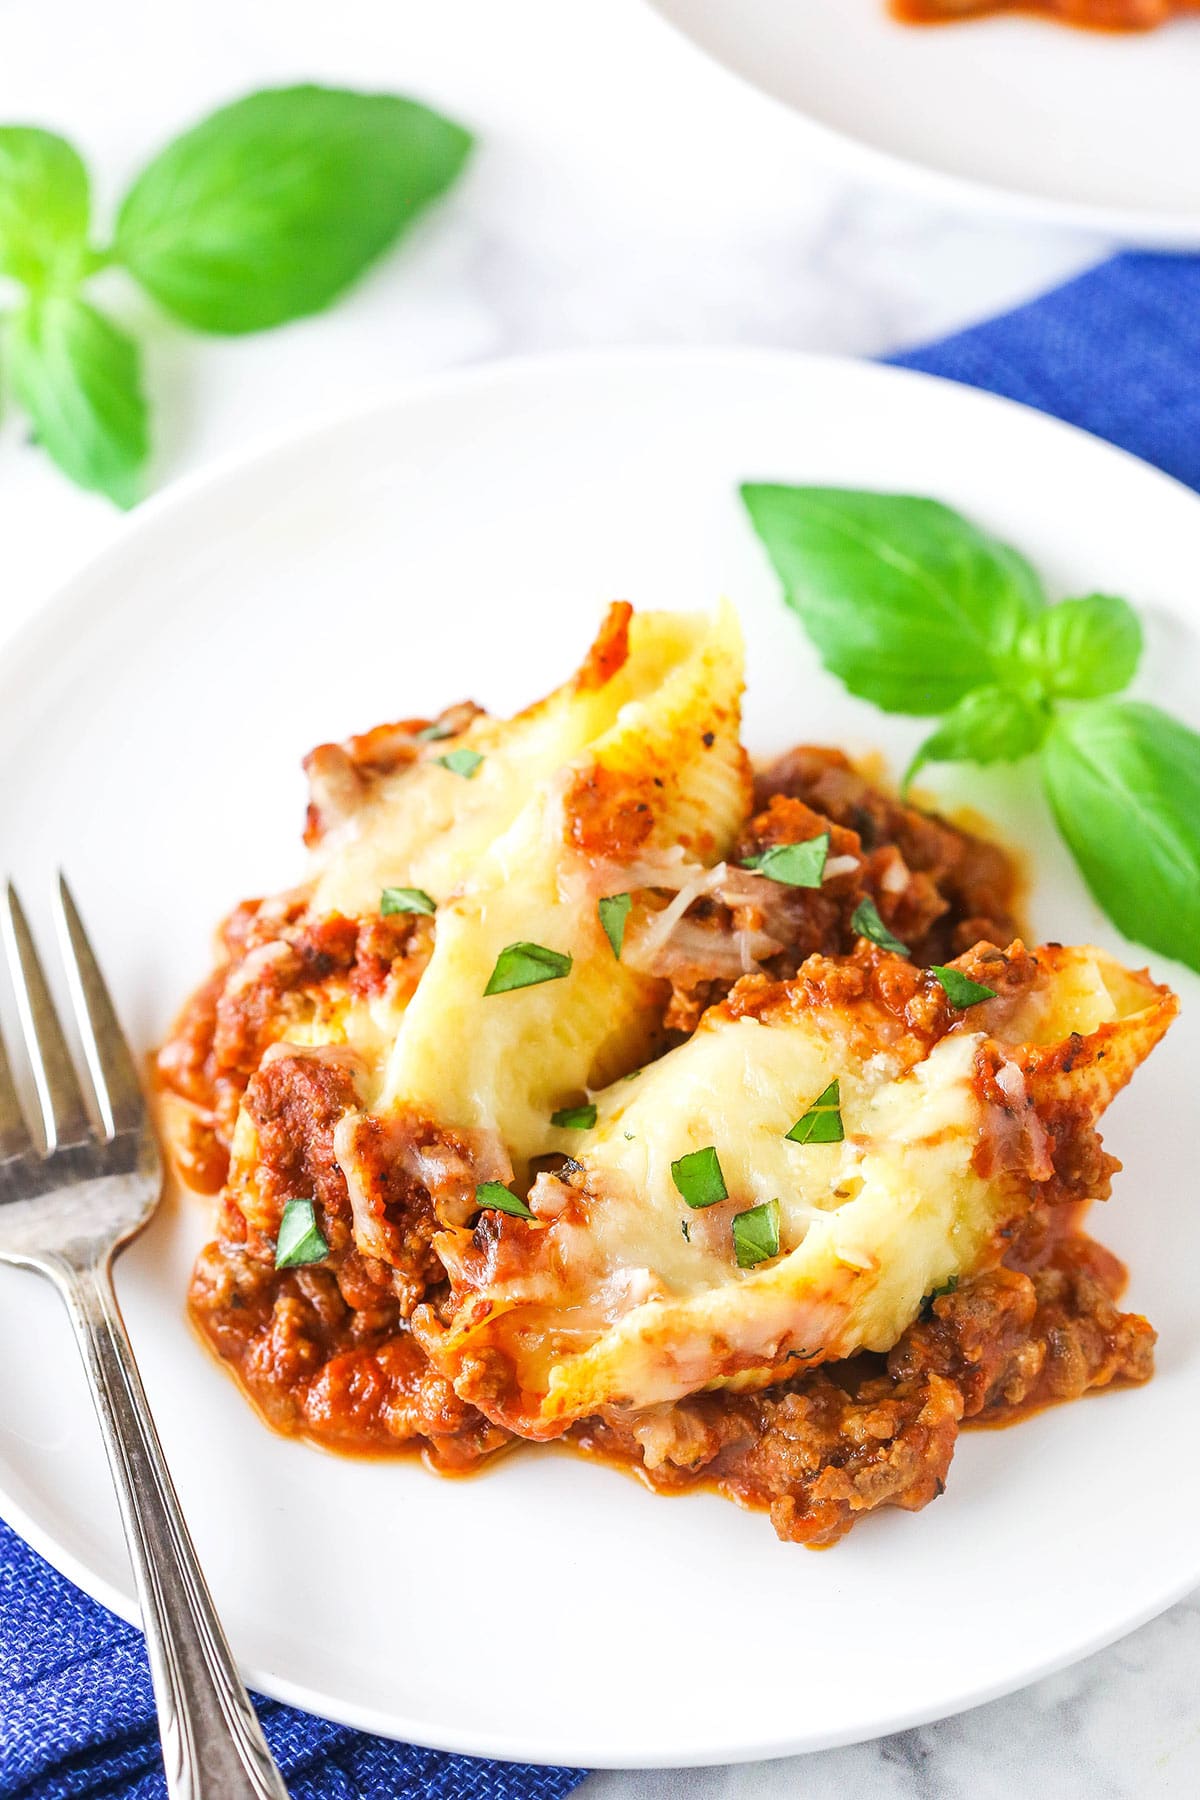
1116 351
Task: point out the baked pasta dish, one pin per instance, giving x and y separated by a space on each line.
1101 15
599 1087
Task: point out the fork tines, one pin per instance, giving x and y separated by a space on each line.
65 1117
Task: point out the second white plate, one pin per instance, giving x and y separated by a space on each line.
1074 127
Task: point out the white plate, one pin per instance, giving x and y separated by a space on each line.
1074 127
463 540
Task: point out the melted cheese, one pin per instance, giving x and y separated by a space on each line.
942 1150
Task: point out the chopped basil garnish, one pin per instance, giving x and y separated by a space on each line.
497 1198
698 1177
460 762
868 924
756 1234
524 965
300 1238
796 865
686 1229
613 913
433 734
574 1118
406 900
936 1293
960 989
822 1123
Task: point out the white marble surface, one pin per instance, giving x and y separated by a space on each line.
624 192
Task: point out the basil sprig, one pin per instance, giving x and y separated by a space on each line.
922 612
264 212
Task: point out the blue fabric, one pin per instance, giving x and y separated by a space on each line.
77 1716
1116 351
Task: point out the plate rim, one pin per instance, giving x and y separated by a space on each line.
28 639
1128 227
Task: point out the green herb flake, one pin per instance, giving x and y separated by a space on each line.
795 865
460 762
868 924
960 989
493 1196
433 734
937 1293
406 900
574 1118
300 1239
686 1229
614 910
698 1177
822 1123
524 965
756 1234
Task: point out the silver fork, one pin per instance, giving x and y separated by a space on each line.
65 1211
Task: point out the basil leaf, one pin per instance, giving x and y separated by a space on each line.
907 602
300 1239
433 734
1083 649
698 1177
574 1118
79 380
460 762
756 1234
495 1197
867 922
614 910
524 965
796 865
1124 782
960 989
43 206
822 1123
406 900
270 207
993 724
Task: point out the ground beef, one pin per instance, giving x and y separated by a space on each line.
843 1440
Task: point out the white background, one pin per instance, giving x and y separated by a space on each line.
623 191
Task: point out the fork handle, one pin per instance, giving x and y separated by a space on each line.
213 1745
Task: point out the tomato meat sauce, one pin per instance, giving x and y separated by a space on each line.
326 1351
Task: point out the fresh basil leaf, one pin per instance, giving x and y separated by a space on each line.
300 1239
79 379
756 1234
433 734
406 900
43 207
992 724
822 1122
270 207
495 1197
907 602
960 989
1124 782
524 965
460 762
614 910
574 1118
796 865
698 1177
1083 649
867 922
